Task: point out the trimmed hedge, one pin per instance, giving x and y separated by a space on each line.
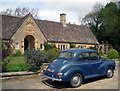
113 54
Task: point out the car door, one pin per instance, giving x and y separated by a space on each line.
95 62
84 63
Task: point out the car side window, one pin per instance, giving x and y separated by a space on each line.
84 57
94 56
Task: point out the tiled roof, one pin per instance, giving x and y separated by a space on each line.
53 31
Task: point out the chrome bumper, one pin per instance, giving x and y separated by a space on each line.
52 78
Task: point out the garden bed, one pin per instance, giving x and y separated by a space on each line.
16 64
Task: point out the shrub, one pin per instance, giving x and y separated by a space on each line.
18 53
54 53
48 46
100 52
113 54
11 55
93 48
35 59
72 45
17 67
5 63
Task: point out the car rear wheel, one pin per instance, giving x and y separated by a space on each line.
110 72
76 80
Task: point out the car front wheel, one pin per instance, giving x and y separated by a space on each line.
76 80
110 72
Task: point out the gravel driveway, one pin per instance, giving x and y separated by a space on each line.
41 82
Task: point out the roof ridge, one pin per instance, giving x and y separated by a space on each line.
13 16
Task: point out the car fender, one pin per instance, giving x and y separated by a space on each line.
69 73
105 66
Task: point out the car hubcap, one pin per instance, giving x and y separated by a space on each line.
76 80
110 73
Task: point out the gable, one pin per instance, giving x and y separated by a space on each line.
28 27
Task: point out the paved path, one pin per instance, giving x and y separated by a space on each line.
40 82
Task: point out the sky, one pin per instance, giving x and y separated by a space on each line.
51 9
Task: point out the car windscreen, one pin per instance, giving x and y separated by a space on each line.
66 55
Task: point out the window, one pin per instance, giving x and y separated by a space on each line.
63 47
79 46
94 56
41 46
58 46
84 57
66 55
16 46
66 46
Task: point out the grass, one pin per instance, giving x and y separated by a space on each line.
16 60
16 64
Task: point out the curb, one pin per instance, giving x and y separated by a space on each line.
9 74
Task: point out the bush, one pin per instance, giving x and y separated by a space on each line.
35 59
18 53
72 45
100 52
54 53
11 55
93 48
48 46
113 54
14 64
17 67
5 63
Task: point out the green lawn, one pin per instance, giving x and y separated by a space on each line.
16 60
17 64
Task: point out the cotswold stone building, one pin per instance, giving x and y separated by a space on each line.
27 32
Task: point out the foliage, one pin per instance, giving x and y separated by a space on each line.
93 48
72 45
48 46
11 55
35 58
18 53
101 52
54 53
113 54
21 11
6 50
105 24
5 64
14 64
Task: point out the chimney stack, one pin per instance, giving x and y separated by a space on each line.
63 19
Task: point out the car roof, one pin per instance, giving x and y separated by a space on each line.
78 50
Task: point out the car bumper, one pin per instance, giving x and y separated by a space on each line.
52 78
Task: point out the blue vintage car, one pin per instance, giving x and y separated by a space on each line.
75 65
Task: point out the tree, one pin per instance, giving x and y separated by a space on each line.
110 24
21 11
104 23
93 20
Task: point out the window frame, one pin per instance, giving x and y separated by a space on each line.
41 46
97 54
66 58
82 56
17 46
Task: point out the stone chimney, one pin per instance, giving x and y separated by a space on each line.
63 19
